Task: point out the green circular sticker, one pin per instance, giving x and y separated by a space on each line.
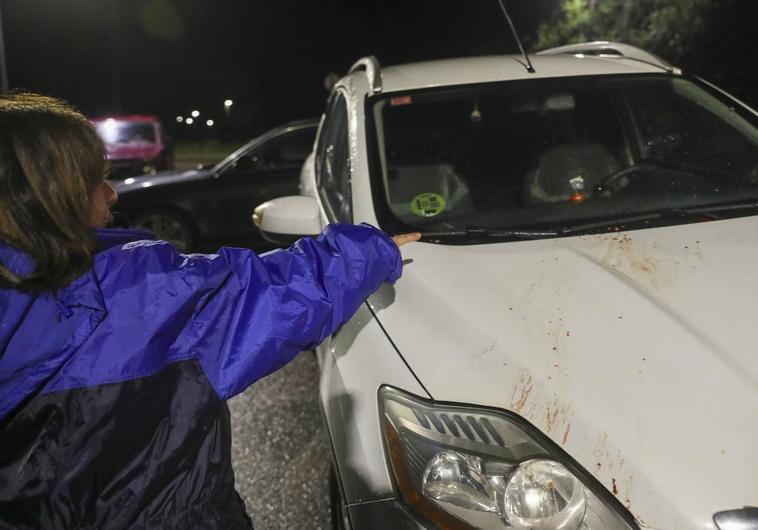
428 204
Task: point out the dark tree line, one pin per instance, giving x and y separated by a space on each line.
715 39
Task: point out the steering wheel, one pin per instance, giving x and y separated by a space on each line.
667 181
622 178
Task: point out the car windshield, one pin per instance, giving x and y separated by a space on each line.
124 132
559 155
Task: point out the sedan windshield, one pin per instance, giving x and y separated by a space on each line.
124 132
560 156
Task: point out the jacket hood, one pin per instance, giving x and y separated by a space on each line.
75 311
20 263
14 260
634 351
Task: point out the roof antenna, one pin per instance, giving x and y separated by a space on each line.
528 65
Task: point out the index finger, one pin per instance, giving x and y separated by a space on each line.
402 239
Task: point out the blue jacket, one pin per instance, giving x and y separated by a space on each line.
113 389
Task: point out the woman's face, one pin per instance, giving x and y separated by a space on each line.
101 201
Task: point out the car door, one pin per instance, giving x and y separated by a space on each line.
267 170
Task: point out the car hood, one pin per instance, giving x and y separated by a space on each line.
136 151
635 351
161 178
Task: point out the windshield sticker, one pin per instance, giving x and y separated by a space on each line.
428 204
400 100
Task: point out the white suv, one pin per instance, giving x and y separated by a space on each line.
573 343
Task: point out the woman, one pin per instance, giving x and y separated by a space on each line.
117 353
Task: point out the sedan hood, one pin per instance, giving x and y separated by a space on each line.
635 351
159 179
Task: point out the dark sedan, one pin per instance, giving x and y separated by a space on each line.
201 209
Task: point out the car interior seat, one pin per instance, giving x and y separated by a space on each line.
564 169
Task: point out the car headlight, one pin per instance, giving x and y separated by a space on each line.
463 467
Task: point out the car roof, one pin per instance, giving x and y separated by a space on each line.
471 70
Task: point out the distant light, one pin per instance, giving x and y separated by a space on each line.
130 180
179 119
109 131
209 123
228 103
147 184
189 121
195 113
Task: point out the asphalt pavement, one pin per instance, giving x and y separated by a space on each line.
280 449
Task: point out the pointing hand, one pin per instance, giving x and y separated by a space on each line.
402 239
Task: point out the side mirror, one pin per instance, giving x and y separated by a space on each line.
284 220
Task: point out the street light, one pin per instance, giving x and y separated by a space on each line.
195 113
179 119
209 123
189 121
227 111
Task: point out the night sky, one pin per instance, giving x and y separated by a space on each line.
167 57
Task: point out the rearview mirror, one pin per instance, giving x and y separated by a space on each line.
284 220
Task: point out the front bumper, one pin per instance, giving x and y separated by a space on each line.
380 515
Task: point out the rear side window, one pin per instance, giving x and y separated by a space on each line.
332 162
287 151
284 152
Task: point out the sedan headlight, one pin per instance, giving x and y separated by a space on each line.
462 467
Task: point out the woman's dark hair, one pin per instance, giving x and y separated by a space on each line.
51 161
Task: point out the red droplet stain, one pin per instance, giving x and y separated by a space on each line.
615 489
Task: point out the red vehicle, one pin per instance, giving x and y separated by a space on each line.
136 144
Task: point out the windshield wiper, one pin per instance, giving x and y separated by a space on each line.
722 207
619 222
705 212
613 222
476 232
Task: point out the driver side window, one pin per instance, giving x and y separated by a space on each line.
332 162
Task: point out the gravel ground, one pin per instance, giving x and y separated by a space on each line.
280 449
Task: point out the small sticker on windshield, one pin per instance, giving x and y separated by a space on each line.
428 204
400 100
